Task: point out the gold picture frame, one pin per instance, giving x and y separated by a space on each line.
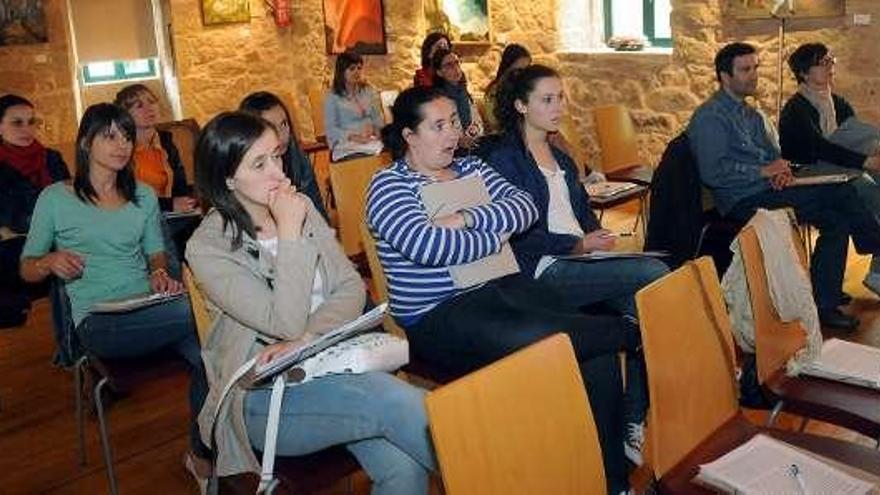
793 9
466 22
225 11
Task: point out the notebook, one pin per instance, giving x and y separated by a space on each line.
818 180
445 198
363 323
132 303
764 465
847 362
609 189
612 255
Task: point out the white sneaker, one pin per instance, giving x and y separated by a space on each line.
634 441
872 282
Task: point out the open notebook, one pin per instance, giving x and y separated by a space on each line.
847 362
611 255
609 189
363 323
764 465
133 303
446 198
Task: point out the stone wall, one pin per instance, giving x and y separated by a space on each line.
218 65
42 74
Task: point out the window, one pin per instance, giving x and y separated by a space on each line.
101 72
647 19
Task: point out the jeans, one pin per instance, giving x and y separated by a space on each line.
148 330
379 418
614 283
838 212
477 327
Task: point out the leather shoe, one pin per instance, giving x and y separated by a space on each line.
834 318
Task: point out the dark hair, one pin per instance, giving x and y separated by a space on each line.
127 95
9 101
219 151
98 119
804 57
518 84
263 101
343 62
431 40
724 57
407 113
509 56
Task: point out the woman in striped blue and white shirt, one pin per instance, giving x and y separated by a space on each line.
464 328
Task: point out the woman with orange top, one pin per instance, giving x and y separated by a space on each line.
156 159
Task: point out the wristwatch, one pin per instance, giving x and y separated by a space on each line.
469 220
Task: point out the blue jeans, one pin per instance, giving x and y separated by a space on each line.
148 330
379 418
613 283
838 212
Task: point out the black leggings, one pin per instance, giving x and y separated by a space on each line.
480 326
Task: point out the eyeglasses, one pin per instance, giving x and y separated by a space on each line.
827 61
32 122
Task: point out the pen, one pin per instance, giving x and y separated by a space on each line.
795 473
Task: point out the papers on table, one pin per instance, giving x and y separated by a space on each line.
764 465
817 180
446 198
133 303
609 189
363 323
847 362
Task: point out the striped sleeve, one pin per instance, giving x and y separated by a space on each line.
395 213
511 211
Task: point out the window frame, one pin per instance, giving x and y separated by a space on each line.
119 73
648 26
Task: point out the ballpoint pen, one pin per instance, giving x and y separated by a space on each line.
795 473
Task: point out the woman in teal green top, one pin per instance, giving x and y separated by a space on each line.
101 235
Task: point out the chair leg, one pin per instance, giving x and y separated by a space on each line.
774 413
105 436
78 370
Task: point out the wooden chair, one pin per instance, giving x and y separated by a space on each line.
185 134
349 180
424 373
620 149
521 425
776 341
694 416
301 475
316 103
569 141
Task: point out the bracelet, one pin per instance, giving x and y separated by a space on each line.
159 271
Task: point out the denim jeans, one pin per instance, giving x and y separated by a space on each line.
477 327
838 212
613 283
379 418
148 330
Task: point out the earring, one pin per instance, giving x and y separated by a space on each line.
230 184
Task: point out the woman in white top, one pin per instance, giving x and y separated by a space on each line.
530 106
352 111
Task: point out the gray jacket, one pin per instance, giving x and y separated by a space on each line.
256 299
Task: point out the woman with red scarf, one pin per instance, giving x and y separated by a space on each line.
26 167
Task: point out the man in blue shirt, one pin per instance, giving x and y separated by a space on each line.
739 159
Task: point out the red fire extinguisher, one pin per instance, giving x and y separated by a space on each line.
282 13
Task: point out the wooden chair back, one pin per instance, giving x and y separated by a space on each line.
349 180
316 103
521 425
617 138
185 134
775 340
201 315
689 354
379 284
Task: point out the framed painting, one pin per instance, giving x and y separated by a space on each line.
22 22
798 9
225 11
465 21
355 25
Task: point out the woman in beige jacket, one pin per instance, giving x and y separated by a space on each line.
275 276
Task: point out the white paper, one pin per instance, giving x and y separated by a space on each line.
611 255
608 189
132 303
763 466
847 362
821 179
